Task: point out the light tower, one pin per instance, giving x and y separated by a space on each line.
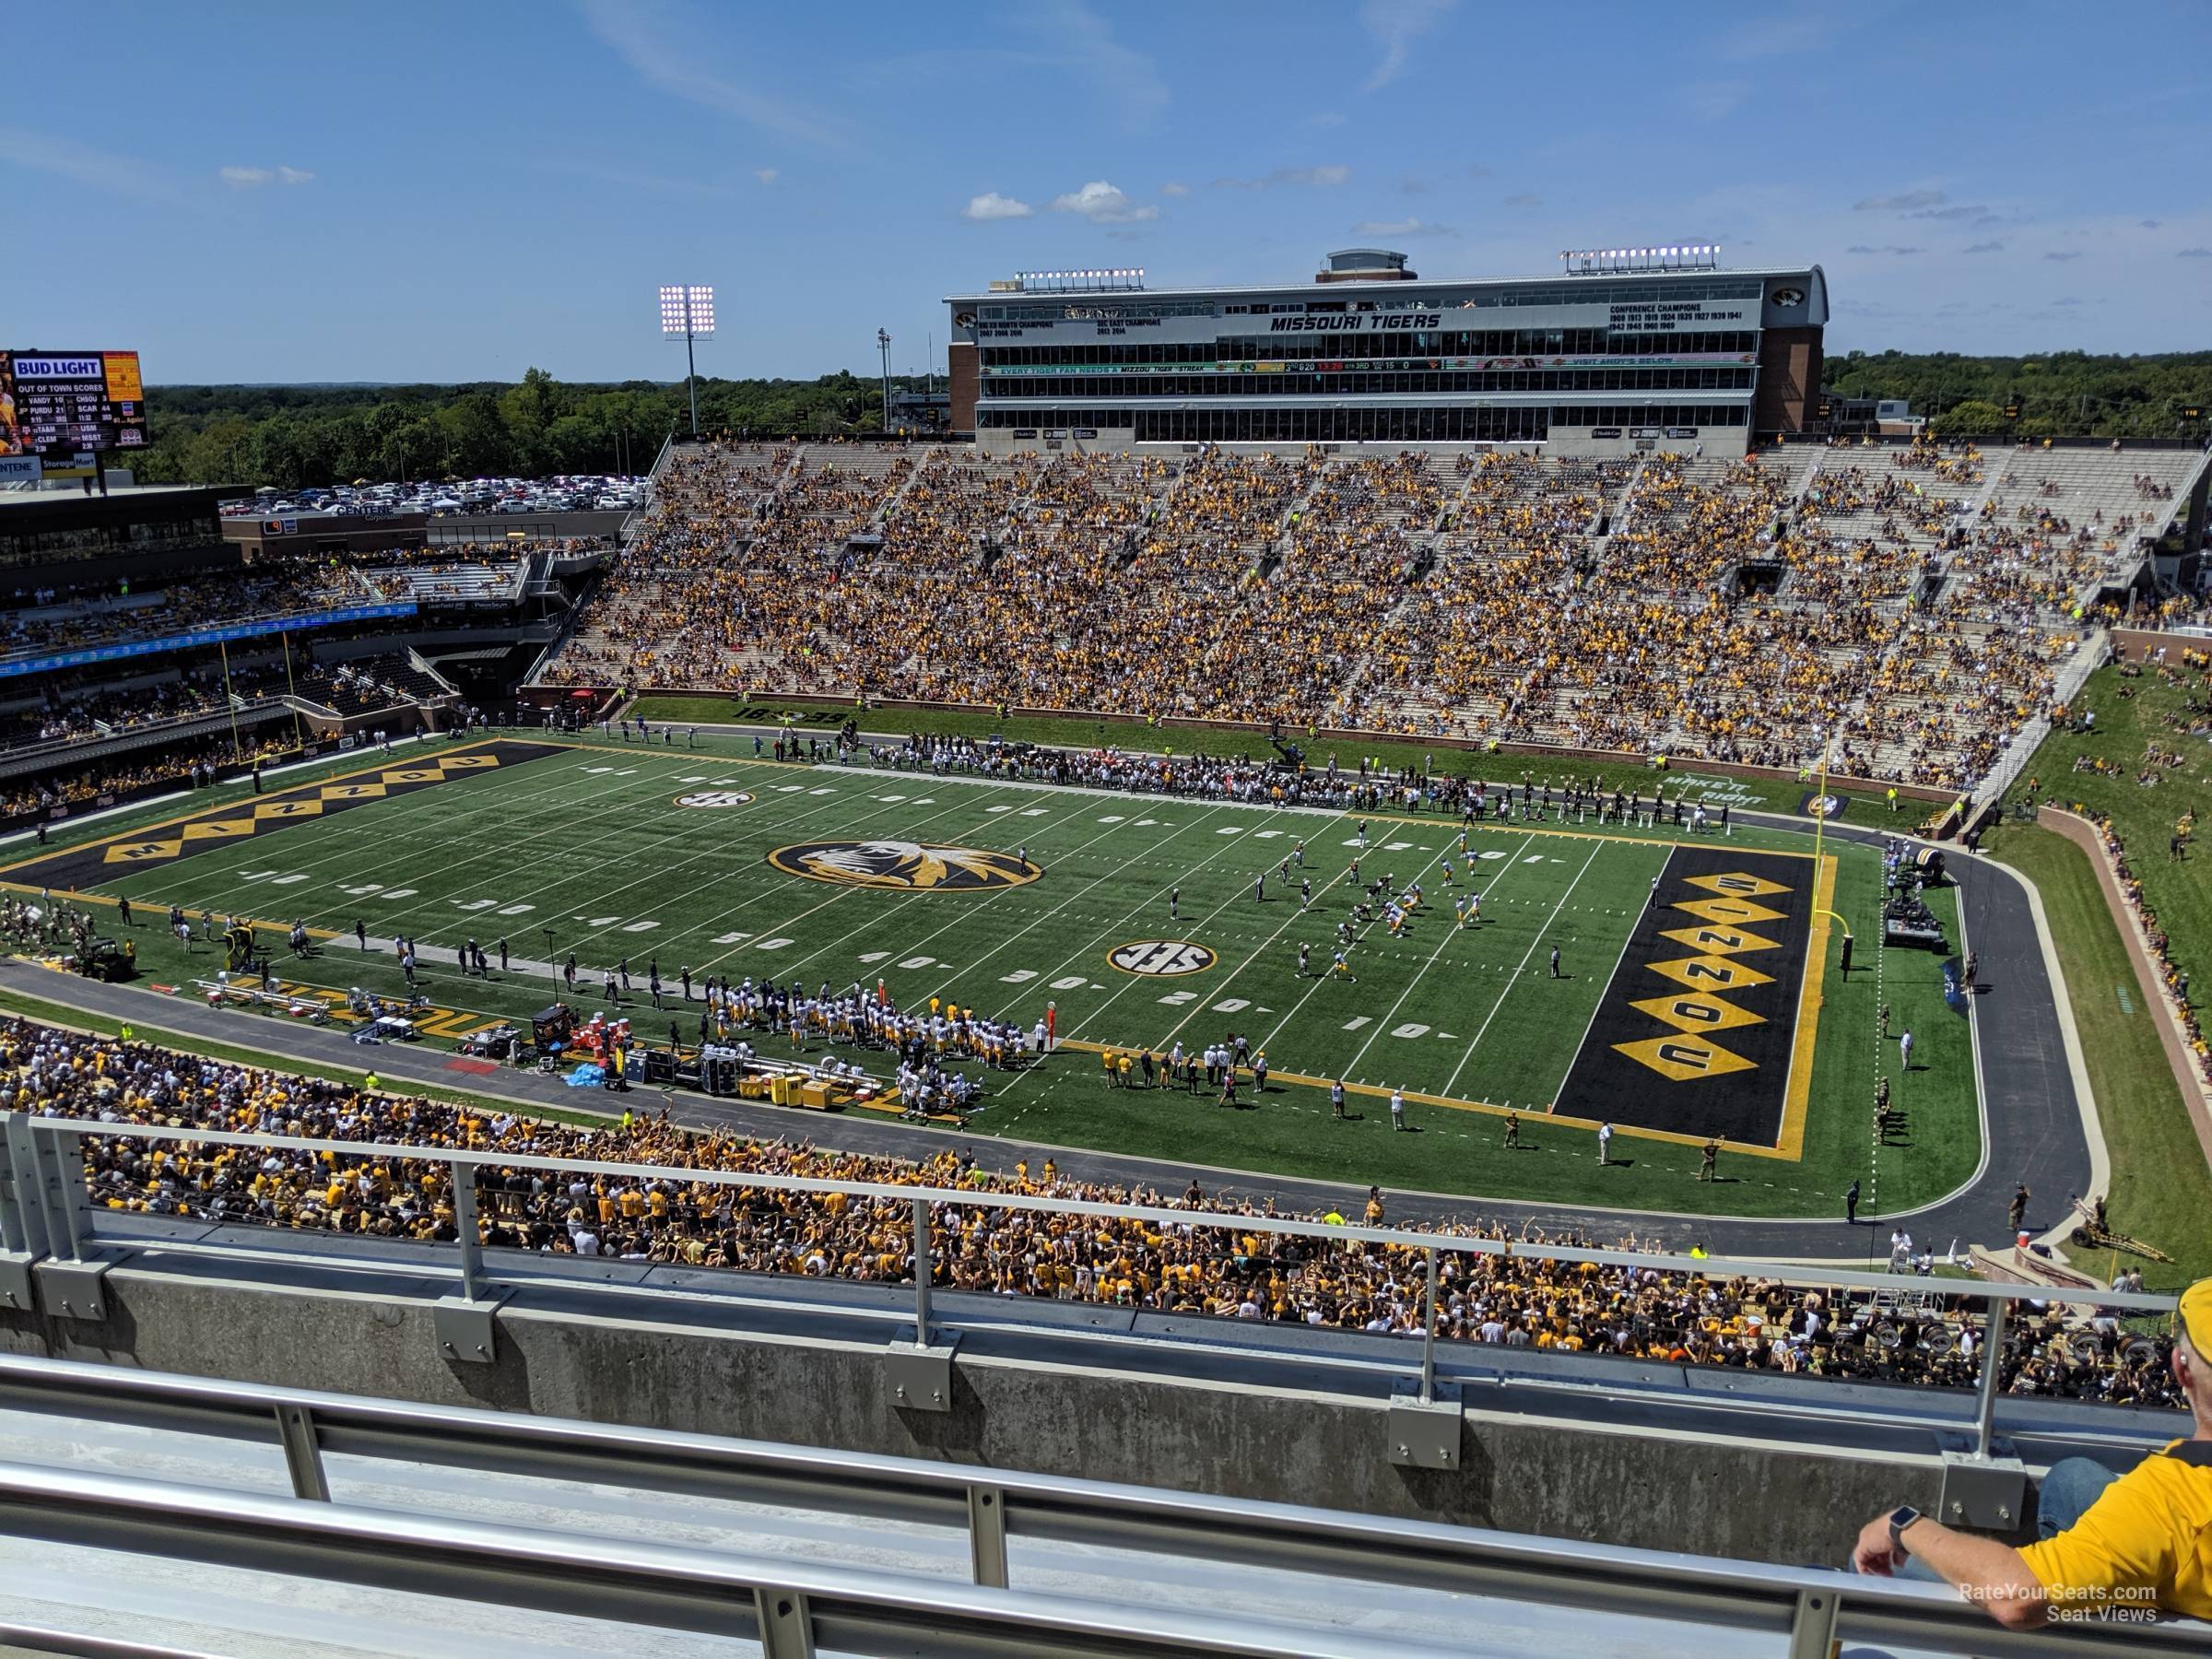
883 348
688 310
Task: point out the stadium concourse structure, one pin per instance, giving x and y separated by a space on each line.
1662 352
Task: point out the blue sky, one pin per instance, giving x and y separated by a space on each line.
336 191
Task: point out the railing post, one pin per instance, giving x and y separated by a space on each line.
787 1629
924 1265
58 1167
1993 1357
464 1177
302 1453
987 1535
22 1217
1429 1332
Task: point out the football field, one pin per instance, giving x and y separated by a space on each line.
1690 994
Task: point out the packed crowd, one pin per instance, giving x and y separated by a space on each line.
189 763
122 613
1213 1264
1681 605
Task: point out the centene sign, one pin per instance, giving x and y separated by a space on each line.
59 367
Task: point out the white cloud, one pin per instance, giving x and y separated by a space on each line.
64 159
672 65
1173 189
1320 177
254 177
1395 25
1101 204
767 175
992 205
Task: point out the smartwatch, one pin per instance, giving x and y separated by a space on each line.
1898 1520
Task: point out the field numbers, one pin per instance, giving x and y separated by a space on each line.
1409 1030
1073 981
772 944
1232 1005
1021 976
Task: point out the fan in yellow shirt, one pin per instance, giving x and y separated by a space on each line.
2107 1544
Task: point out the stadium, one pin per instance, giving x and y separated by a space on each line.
1393 956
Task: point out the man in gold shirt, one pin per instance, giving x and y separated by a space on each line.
2106 1543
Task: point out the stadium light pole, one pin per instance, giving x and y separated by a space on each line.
883 348
687 309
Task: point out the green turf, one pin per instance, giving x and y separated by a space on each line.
588 843
2132 714
2161 1191
818 716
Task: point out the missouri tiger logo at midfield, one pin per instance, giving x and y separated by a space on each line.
1161 957
907 866
714 797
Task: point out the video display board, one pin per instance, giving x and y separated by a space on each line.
56 405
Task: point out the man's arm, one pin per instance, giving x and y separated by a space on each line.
1995 1576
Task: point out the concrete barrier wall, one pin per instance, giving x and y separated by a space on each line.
1713 1494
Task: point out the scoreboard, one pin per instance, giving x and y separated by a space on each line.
56 405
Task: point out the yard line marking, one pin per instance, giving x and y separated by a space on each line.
967 911
1452 1081
1289 921
846 893
337 847
1063 903
1445 938
659 873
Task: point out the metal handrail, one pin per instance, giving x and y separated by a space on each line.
43 1208
1415 1241
992 1504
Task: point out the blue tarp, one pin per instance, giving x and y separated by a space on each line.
588 1076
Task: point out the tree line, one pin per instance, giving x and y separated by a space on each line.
2060 394
297 437
293 437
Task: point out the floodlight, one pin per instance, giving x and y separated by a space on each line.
688 313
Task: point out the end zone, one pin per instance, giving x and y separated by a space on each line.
1707 1026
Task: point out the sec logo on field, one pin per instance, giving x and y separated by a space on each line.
906 864
1161 958
714 797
